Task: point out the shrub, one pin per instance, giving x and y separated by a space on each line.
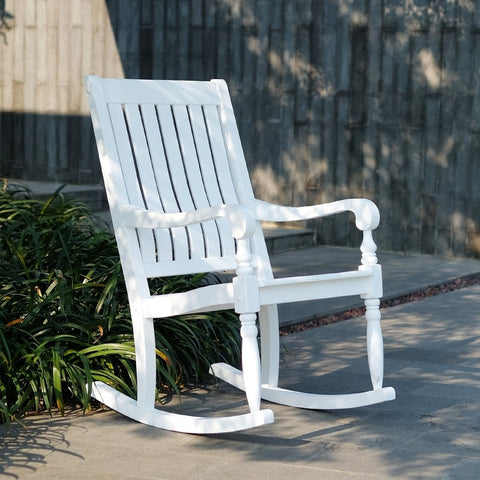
64 315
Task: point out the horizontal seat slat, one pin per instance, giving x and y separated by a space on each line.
186 267
315 287
208 298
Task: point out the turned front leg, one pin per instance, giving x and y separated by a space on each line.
247 303
374 342
372 302
250 360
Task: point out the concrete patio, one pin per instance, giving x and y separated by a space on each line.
431 431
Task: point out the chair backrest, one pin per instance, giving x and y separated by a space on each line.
171 146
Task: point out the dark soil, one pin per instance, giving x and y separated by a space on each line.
410 297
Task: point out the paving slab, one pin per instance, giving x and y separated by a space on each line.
431 431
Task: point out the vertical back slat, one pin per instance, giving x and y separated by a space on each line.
208 152
179 180
204 154
178 236
215 135
233 145
222 170
143 163
131 180
191 149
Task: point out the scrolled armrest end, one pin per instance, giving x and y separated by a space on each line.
367 215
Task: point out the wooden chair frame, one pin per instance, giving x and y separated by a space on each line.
181 202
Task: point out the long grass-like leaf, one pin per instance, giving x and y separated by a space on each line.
64 314
57 381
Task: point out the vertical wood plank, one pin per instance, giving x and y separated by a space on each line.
158 40
210 39
183 39
414 156
235 44
171 40
329 133
222 46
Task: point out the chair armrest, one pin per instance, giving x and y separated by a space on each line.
241 220
367 216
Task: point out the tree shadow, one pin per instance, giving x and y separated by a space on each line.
5 19
337 99
429 431
25 447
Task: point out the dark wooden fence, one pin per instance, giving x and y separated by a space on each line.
334 98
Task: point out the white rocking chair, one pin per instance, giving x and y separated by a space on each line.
181 202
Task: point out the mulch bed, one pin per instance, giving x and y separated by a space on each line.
410 297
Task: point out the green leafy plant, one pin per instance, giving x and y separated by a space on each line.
64 315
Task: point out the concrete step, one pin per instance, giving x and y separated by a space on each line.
92 195
282 239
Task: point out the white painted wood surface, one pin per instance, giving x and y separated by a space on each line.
182 202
